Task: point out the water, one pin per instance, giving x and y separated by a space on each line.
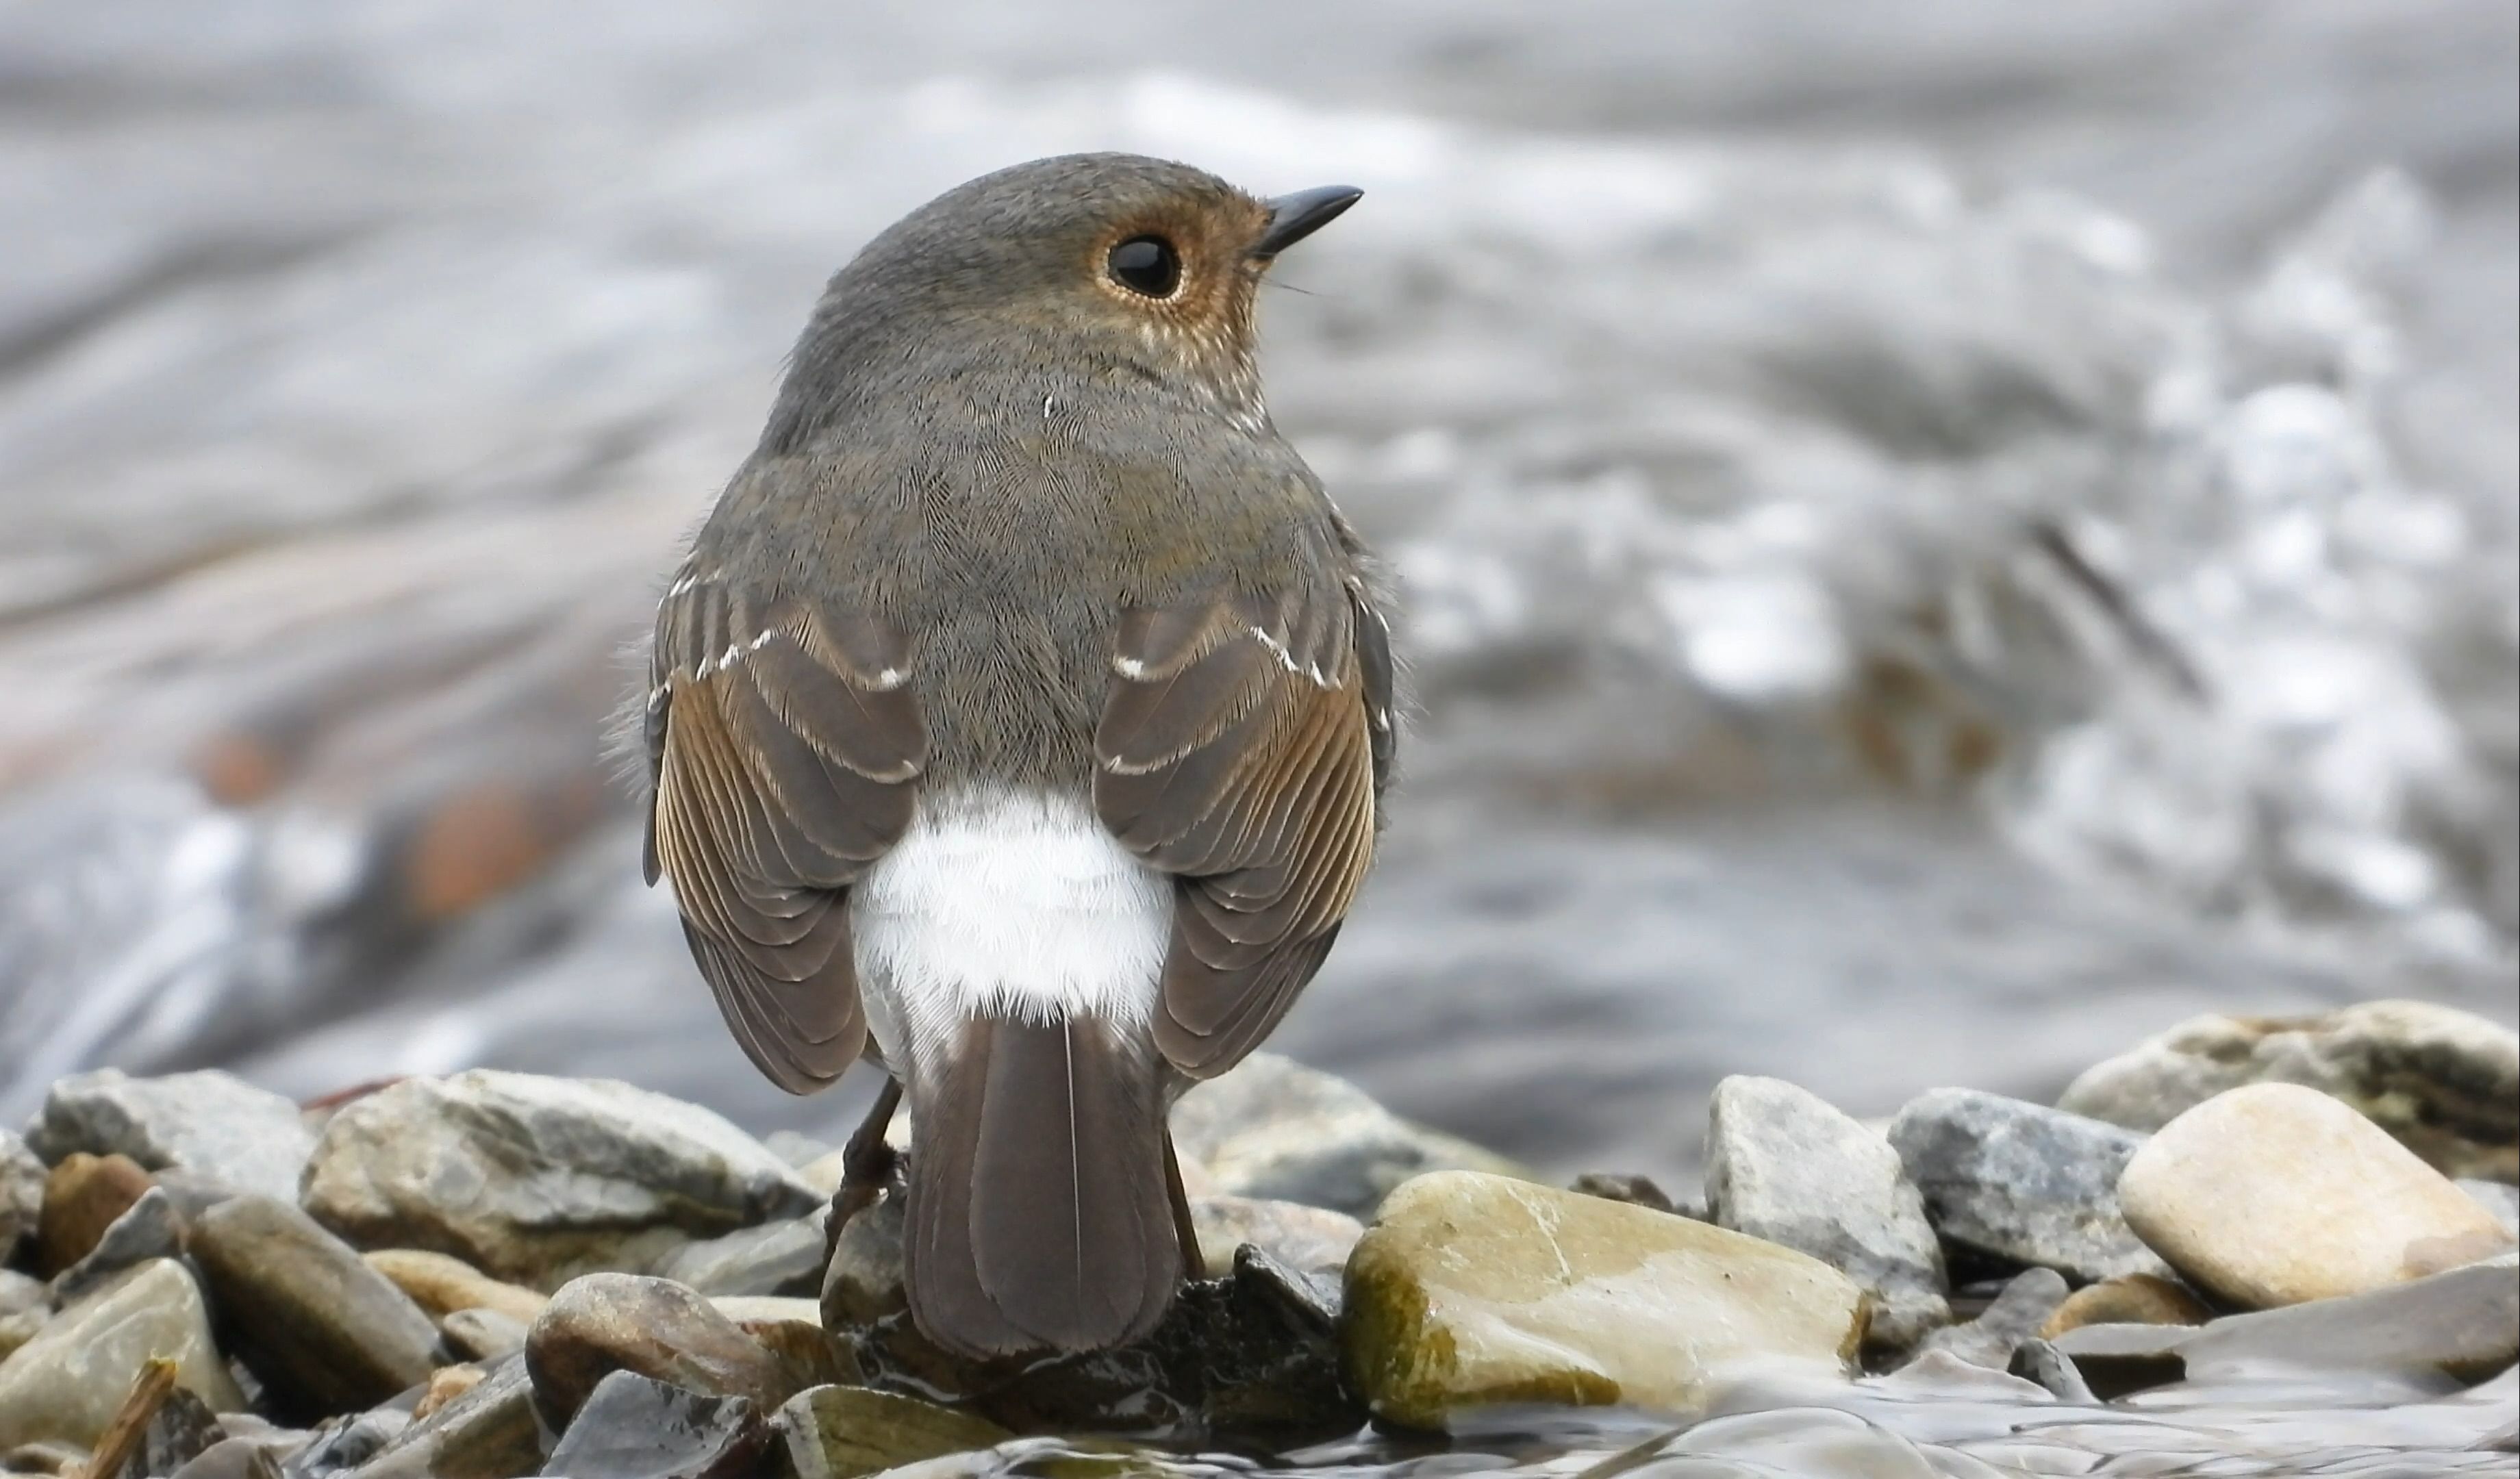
1935 543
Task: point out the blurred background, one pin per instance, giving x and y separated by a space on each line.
1937 540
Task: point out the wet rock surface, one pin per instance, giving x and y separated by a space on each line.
324 1332
2021 1182
605 1322
782 1257
206 1121
634 1427
535 1180
843 1432
1473 1290
489 1432
68 1380
1783 1165
2445 1083
1312 1240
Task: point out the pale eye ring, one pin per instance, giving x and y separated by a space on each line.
1146 265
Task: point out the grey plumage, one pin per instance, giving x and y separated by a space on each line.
1013 524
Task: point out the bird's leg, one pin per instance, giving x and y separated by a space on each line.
867 1161
1185 1226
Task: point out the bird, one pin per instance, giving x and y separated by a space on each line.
1019 720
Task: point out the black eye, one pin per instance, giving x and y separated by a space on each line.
1147 265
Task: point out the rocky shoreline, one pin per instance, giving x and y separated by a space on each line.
494 1275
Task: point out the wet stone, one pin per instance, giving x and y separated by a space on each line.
1312 1240
2274 1194
636 1427
2017 1315
482 1334
780 1258
1271 1128
490 1432
845 1432
82 1199
2445 1083
181 1430
864 1282
205 1121
21 1195
808 1355
535 1180
2129 1299
347 1443
2022 1184
442 1285
1477 1289
1784 1165
603 1323
66 1382
148 1228
324 1332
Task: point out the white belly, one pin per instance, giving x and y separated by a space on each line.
1006 902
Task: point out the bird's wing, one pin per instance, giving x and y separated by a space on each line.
1242 748
784 741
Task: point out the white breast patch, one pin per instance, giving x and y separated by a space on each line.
1007 902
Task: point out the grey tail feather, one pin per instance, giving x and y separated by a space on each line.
1040 1216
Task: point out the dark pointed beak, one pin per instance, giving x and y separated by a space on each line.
1294 217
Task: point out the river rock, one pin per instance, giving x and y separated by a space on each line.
347 1443
2021 1182
1271 1128
444 1285
482 1334
1472 1289
2129 1299
82 1199
323 1331
1311 1240
780 1258
21 1195
66 1382
636 1427
2274 1194
25 1304
1782 1164
490 1432
147 1228
605 1322
534 1180
843 1432
206 1121
2016 1314
863 1281
2443 1081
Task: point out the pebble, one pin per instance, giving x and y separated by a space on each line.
535 1180
490 1432
21 1195
206 1121
2129 1299
603 1323
2018 1314
148 1228
843 1432
2273 1194
2022 1182
636 1427
325 1333
346 1444
1472 1289
82 1199
1312 1240
780 1258
864 1282
66 1382
444 1285
2445 1083
1784 1165
1272 1129
482 1334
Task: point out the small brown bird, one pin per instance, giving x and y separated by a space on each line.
1020 721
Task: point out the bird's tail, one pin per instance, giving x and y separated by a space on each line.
1040 1214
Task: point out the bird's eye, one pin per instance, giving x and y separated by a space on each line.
1148 265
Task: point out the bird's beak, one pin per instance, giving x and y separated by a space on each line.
1294 217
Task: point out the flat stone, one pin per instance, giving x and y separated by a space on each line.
2129 1299
66 1382
82 1199
1271 1128
2021 1182
2016 1314
2501 1200
535 1180
206 1121
845 1432
21 1195
25 1304
323 1331
1472 1289
148 1228
442 1284
1784 1165
482 1334
490 1432
782 1257
636 1427
2445 1083
1312 1240
607 1323
2274 1194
